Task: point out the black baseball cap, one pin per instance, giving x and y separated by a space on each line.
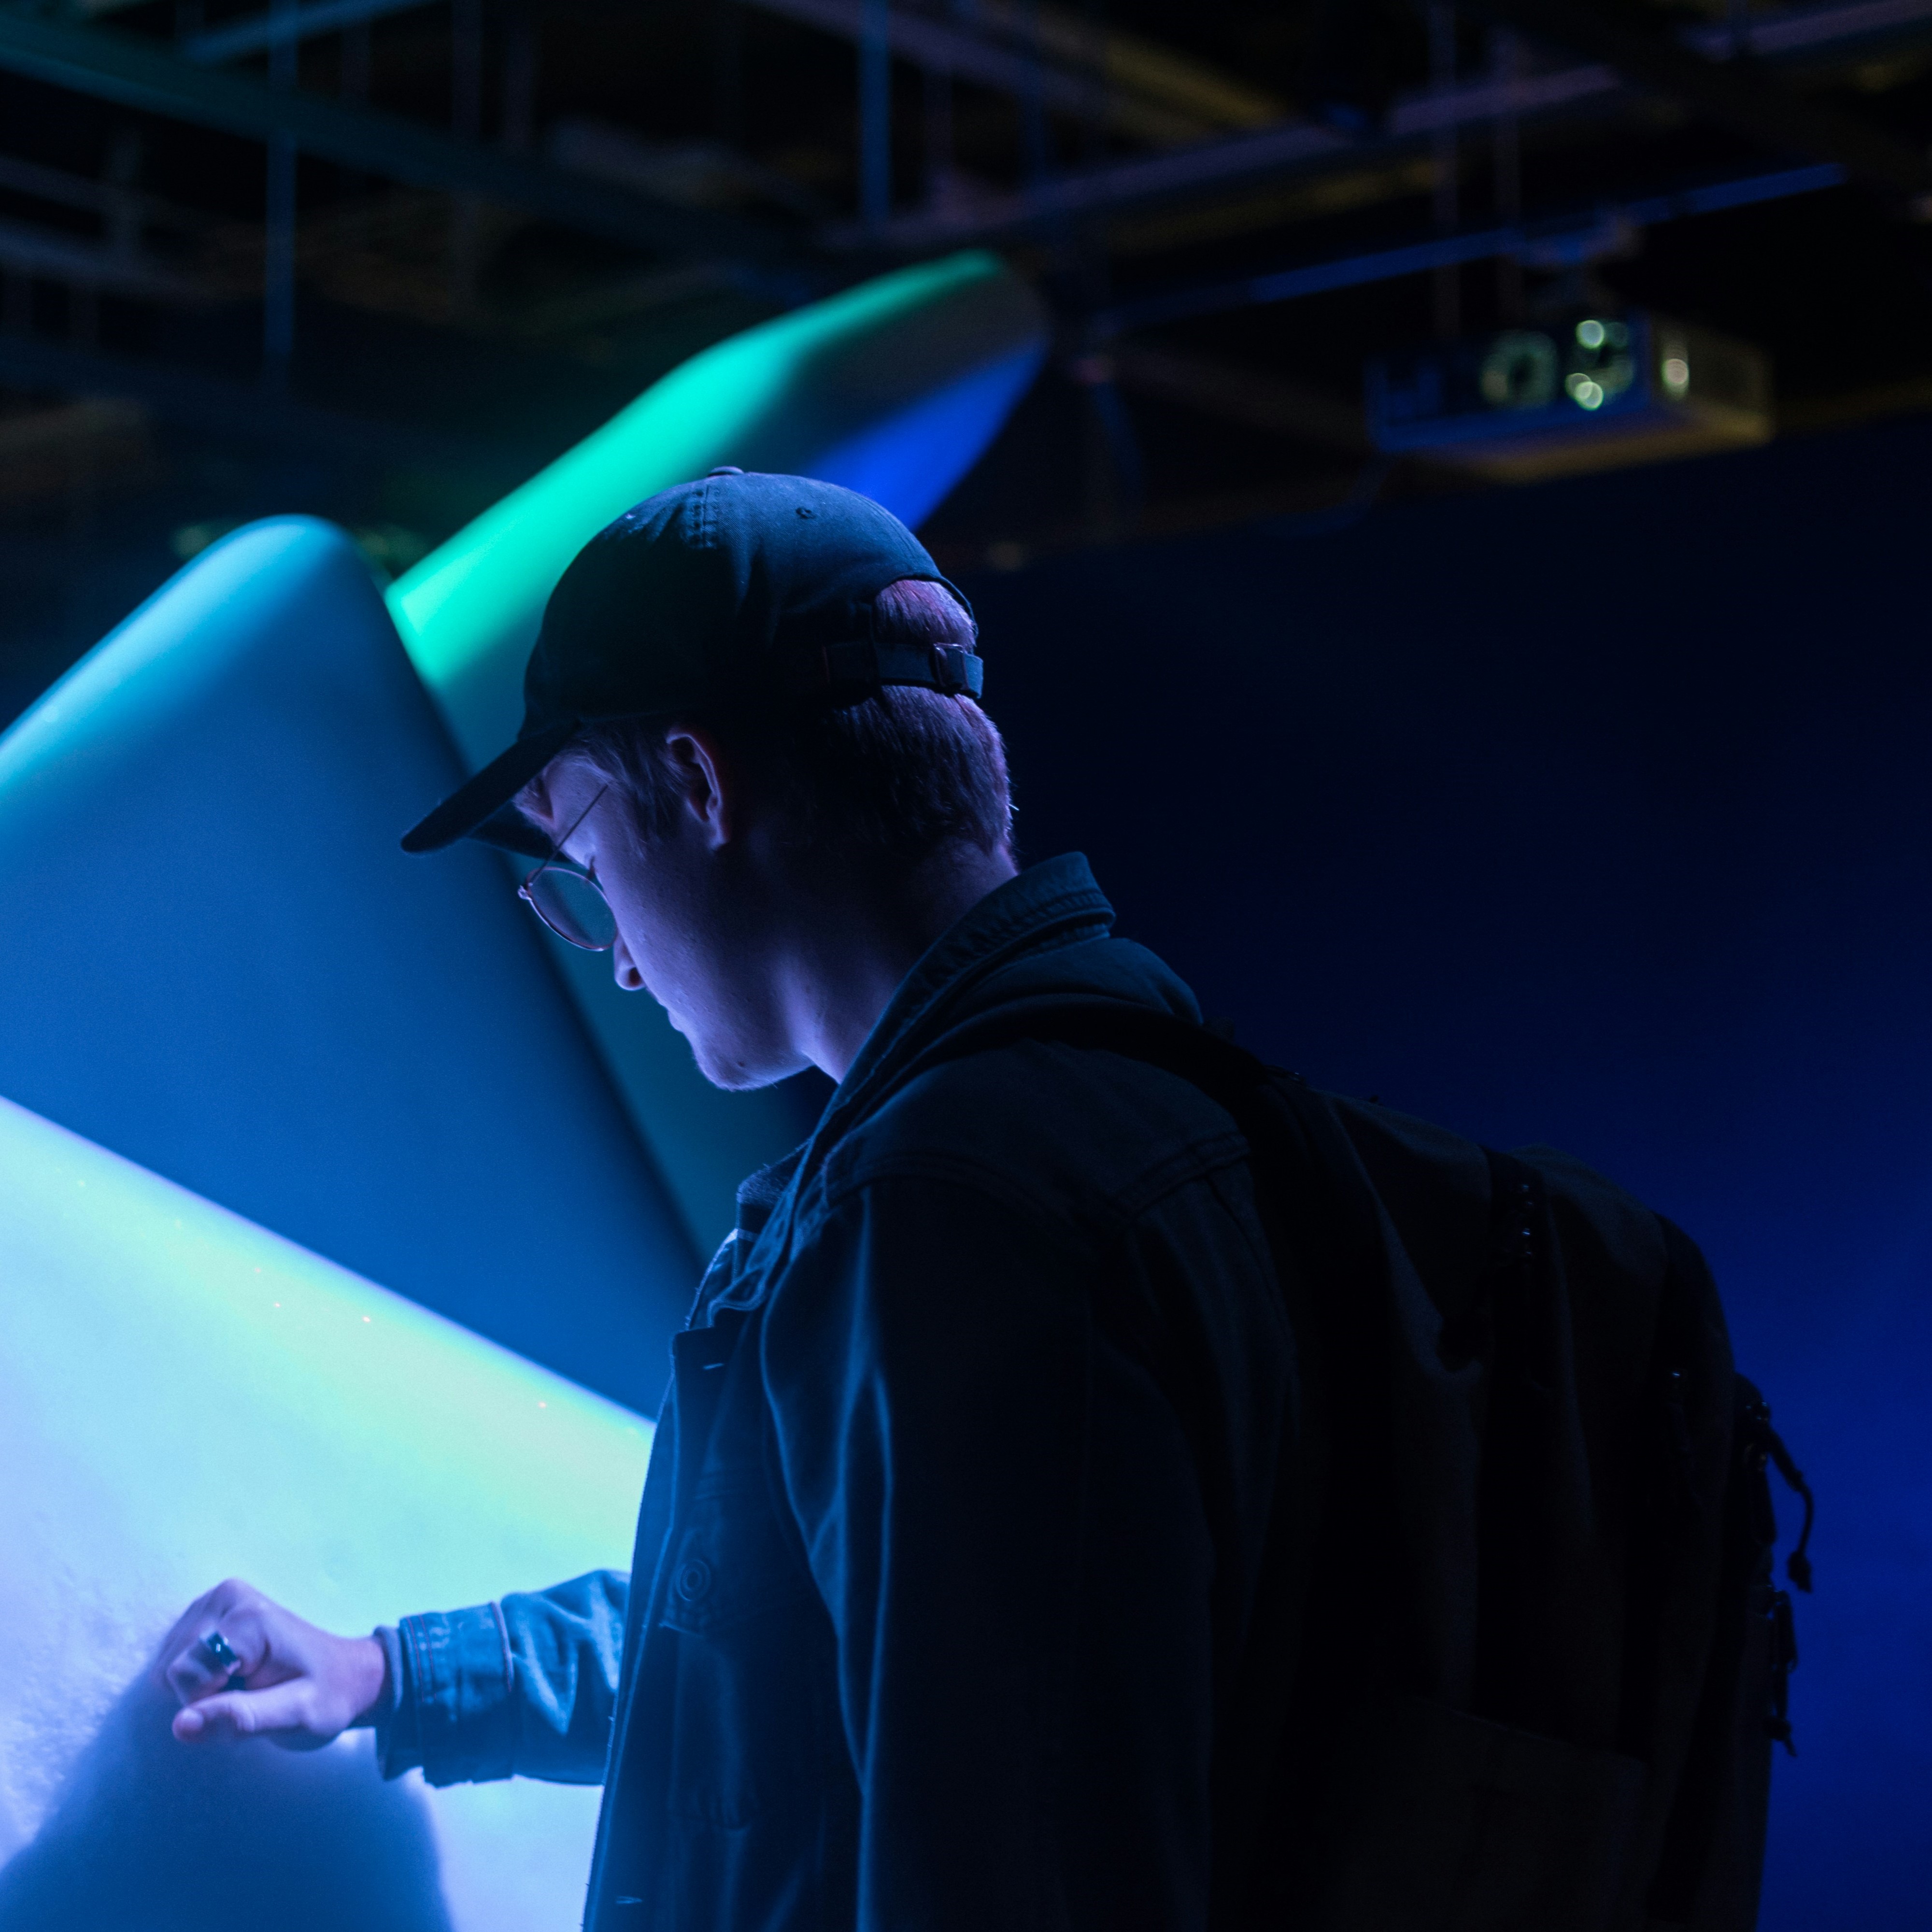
733 590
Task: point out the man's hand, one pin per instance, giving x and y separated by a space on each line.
297 1684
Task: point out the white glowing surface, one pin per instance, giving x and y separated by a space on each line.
184 1396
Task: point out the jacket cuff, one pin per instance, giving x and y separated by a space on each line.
454 1712
393 1716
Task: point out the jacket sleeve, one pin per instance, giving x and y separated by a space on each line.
524 1687
1002 1515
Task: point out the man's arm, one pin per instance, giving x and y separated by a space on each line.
524 1687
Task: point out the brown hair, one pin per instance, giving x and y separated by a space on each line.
901 774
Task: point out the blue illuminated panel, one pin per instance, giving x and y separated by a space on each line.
184 1396
218 963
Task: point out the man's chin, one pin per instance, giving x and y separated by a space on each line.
740 1073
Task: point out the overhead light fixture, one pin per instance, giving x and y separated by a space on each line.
1592 390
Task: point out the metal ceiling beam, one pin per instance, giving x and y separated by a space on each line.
118 67
1800 30
940 45
1734 94
1299 148
1255 398
241 411
1120 185
1554 243
1143 67
256 33
1291 147
1149 70
109 198
1698 67
1141 88
26 249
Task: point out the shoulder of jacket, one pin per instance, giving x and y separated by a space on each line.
1061 1124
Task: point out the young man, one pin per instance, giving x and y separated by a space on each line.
940 1615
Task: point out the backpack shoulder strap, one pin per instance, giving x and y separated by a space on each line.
1268 1103
1322 1563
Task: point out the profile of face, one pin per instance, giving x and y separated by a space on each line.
693 927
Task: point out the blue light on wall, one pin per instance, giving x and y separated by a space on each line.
185 1396
1599 815
218 963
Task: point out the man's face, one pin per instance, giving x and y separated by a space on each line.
689 931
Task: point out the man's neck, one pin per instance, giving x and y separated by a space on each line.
857 938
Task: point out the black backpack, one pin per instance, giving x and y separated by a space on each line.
1519 1660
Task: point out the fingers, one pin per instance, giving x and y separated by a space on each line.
233 1609
247 1714
194 1674
277 1677
191 1621
203 1614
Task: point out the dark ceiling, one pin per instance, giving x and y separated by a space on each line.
509 216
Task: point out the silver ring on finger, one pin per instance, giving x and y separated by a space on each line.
221 1654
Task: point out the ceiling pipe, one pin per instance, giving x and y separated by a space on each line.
1734 94
134 73
1564 243
1412 124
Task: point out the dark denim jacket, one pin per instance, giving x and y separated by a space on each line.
938 1601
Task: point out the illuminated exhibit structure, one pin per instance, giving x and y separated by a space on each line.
893 389
191 1397
234 1005
232 975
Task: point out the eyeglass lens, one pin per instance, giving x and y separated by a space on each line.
572 907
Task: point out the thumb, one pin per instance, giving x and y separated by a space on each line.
245 1713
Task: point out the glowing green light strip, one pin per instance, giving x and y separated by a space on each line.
484 591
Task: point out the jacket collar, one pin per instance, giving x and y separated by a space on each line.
1054 904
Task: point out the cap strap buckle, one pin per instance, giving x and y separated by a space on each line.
852 671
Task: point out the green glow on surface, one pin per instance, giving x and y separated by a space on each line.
457 608
135 1301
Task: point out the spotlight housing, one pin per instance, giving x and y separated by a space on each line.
1595 389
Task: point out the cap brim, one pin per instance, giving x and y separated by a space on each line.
492 788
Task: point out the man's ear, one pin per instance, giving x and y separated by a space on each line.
533 801
708 781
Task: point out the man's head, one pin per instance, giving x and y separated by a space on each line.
750 718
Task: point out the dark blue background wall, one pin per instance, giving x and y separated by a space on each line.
1600 814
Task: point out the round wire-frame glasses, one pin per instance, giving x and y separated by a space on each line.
568 899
